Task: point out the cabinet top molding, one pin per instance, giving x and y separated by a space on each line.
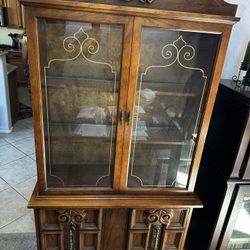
208 8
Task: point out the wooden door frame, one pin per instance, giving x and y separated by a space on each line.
224 30
32 15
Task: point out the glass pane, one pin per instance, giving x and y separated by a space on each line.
175 69
80 84
240 238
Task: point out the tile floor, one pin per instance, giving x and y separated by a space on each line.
17 180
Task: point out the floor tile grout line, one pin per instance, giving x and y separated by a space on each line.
22 197
18 193
12 186
23 181
23 156
31 157
21 150
25 138
7 142
6 183
20 139
14 221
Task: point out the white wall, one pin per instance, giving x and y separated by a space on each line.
239 39
4 38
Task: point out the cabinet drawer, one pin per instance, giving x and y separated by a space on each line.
112 228
15 58
14 55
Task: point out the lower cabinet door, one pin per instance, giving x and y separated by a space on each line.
111 229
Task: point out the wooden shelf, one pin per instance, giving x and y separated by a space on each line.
80 132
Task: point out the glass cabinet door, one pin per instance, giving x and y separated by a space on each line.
240 216
81 80
173 79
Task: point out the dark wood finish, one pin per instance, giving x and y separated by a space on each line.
15 58
157 228
54 227
109 228
189 200
14 103
119 218
179 10
114 229
14 13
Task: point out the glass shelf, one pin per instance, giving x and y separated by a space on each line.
159 135
63 82
80 132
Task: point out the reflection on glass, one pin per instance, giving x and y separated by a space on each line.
240 238
174 73
80 84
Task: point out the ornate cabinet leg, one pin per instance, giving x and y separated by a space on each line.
71 221
157 218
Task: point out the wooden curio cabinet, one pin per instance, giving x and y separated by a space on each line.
122 97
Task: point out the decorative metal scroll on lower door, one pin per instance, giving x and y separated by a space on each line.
84 49
175 55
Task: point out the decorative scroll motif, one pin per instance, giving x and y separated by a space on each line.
71 219
142 1
157 219
178 52
81 44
